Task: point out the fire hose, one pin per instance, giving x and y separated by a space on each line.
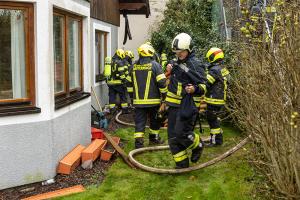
175 171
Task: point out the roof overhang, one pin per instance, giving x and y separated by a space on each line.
134 7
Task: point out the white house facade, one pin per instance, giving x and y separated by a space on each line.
51 53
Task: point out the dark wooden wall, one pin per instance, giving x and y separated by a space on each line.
106 10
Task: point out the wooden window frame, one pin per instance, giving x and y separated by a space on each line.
70 96
100 77
20 106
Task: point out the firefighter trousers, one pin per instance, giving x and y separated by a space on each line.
141 119
181 135
212 118
113 91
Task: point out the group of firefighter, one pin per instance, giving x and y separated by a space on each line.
161 86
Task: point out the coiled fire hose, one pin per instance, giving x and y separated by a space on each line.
175 171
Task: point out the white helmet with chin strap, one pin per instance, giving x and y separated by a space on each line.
182 42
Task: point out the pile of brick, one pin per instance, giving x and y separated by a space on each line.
99 147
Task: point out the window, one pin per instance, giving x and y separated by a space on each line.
17 87
100 54
67 46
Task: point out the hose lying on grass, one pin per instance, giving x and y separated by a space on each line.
179 171
176 171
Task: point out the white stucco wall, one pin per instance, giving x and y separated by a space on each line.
31 145
140 26
44 62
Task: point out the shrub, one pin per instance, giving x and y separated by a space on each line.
266 96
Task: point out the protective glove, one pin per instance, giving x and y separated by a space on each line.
162 108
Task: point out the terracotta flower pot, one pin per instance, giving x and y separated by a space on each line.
108 150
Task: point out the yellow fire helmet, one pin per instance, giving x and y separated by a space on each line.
129 54
120 53
146 50
149 43
214 55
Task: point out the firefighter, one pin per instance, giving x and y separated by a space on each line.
149 87
116 81
129 57
180 131
215 97
164 61
155 55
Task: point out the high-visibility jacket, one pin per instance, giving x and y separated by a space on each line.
191 73
128 72
117 72
149 83
217 78
164 61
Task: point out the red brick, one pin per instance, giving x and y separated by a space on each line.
92 152
57 193
70 161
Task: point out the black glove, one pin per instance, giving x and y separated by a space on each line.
176 70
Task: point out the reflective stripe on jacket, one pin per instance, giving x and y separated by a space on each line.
190 72
117 72
217 78
148 83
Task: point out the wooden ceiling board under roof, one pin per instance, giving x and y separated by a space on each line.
135 7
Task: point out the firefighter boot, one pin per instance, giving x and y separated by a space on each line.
182 164
197 152
139 143
216 139
155 139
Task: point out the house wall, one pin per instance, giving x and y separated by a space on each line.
31 145
101 87
141 27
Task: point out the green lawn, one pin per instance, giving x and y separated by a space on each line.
230 179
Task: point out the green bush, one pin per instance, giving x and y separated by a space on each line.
193 17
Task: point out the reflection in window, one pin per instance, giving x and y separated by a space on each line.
12 54
58 34
74 54
67 34
100 53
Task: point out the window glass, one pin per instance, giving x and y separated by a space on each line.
12 56
100 53
59 68
74 54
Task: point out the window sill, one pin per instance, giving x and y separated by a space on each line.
18 110
61 102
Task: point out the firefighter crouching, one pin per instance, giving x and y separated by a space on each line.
115 80
149 87
215 97
180 132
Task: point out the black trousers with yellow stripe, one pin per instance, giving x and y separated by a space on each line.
141 119
181 135
212 118
113 91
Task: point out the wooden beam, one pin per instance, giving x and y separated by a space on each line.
132 6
